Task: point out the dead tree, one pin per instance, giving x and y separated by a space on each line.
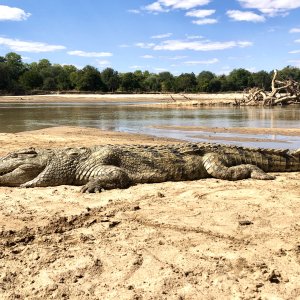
283 93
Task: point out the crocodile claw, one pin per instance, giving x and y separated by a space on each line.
91 187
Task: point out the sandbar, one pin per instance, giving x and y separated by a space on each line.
203 239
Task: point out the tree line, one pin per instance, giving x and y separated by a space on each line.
17 77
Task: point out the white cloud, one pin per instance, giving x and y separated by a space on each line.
194 37
23 46
244 44
155 7
248 16
178 57
176 45
8 13
205 21
295 52
271 7
167 5
162 36
145 45
200 13
183 4
202 62
297 41
89 54
295 30
147 56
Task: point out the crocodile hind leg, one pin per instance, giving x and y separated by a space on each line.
216 167
106 177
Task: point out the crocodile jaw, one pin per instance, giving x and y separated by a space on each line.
19 174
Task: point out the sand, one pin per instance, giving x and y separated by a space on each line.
163 99
240 130
204 239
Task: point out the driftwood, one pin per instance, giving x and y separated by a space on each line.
182 95
283 93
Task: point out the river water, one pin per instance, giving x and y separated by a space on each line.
127 117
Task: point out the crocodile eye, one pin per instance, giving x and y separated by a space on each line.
73 153
27 151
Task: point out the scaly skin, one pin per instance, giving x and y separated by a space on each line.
120 166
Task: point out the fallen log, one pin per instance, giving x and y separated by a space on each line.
284 92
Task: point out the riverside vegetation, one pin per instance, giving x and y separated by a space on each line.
17 77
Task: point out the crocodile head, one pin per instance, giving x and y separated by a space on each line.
21 166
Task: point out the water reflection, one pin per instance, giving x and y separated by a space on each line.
126 117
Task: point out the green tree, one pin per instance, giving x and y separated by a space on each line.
152 84
214 86
129 82
289 72
74 78
111 79
15 68
5 79
186 82
239 79
262 79
15 64
89 79
203 81
167 82
61 77
140 77
71 71
31 80
49 84
44 64
224 83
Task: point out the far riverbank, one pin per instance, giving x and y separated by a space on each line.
169 99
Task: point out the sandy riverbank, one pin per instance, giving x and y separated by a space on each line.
240 130
170 99
180 240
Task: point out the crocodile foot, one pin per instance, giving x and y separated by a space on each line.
92 186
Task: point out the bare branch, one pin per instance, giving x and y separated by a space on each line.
283 92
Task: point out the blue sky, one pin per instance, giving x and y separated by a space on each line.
156 35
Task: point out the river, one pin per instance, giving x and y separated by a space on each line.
127 117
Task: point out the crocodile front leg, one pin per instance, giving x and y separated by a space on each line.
217 168
106 177
52 175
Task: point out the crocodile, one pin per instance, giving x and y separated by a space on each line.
104 167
